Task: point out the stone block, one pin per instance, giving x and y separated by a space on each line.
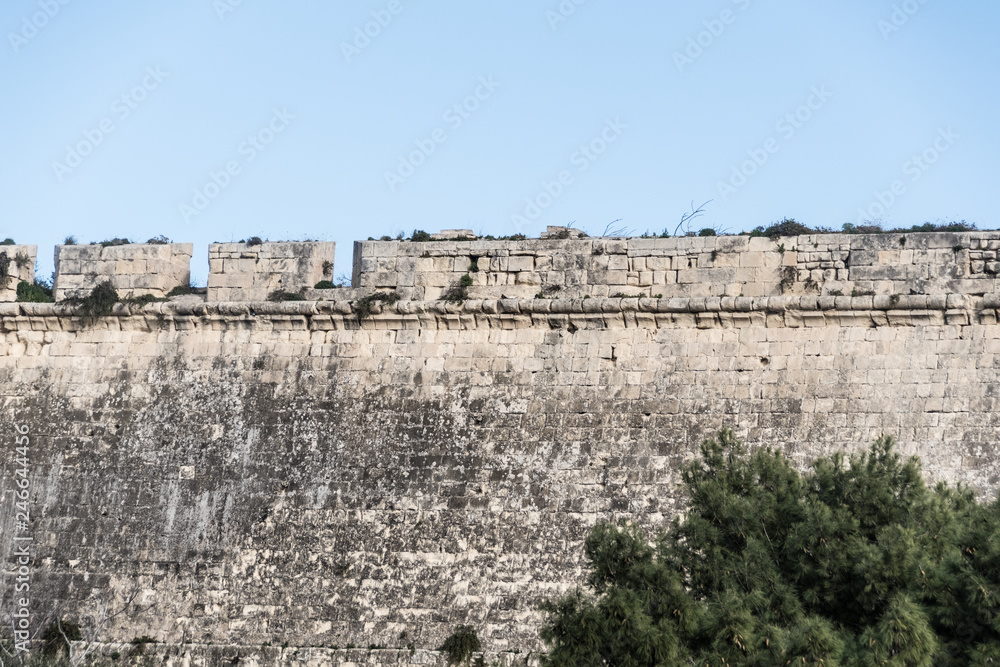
521 263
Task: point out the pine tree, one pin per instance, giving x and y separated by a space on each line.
856 563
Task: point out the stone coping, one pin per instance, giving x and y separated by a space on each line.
770 304
209 655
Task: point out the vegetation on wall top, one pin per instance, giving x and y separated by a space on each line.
108 243
35 292
364 306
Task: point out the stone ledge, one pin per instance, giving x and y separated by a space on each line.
769 304
209 655
787 311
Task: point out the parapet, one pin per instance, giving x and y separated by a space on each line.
17 263
243 272
135 269
719 266
563 264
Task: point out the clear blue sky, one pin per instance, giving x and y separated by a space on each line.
183 86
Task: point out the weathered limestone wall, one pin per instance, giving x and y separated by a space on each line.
20 265
210 655
285 473
828 264
242 272
135 269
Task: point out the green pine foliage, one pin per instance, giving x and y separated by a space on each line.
857 563
35 292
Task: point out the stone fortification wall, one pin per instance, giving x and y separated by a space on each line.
822 264
243 272
348 471
287 473
17 263
135 269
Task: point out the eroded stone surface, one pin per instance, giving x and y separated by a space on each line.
283 473
20 265
243 272
293 472
135 269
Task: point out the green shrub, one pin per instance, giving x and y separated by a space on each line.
325 284
180 290
5 263
7 241
708 231
420 236
513 237
457 293
69 240
856 563
281 295
872 228
141 300
961 226
787 227
20 260
459 647
99 303
114 242
363 306
159 240
33 293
